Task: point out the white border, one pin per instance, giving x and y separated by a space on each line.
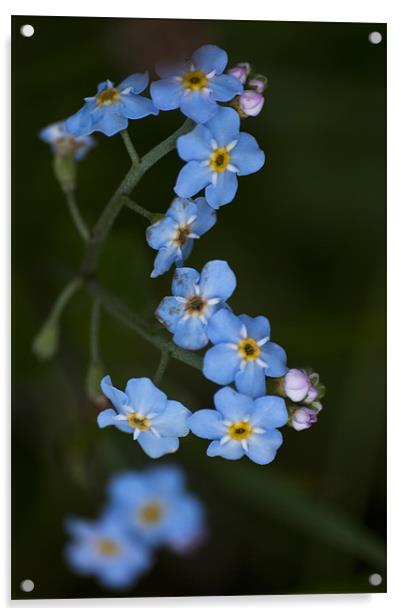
287 10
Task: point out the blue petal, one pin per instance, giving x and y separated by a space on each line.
195 145
117 397
80 123
124 485
207 424
155 446
224 326
206 217
191 334
168 479
53 132
251 380
247 155
166 94
198 105
184 281
144 396
173 422
138 82
221 364
109 120
186 251
181 210
169 312
103 85
210 58
106 418
270 412
275 357
192 178
225 87
161 232
217 280
257 327
223 191
233 405
166 256
262 448
232 450
225 126
135 107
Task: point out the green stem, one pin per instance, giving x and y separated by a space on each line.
70 289
94 331
161 368
76 215
133 155
135 322
113 207
132 205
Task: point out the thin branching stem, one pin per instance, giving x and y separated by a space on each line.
135 207
161 368
133 155
76 215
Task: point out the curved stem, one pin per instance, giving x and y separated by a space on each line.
130 147
132 205
161 368
76 215
66 294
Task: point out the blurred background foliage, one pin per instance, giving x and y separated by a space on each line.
306 236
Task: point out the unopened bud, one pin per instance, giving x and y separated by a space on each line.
46 342
302 418
250 103
95 373
258 83
240 71
64 166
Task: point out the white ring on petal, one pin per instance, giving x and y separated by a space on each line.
243 331
136 434
211 74
213 144
213 301
262 341
225 439
191 219
214 178
231 145
244 444
154 432
232 168
181 300
261 363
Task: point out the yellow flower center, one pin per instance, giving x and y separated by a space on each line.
240 430
194 80
151 513
181 235
195 305
249 349
219 160
108 96
106 547
138 421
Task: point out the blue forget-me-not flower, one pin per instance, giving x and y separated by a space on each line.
241 426
173 235
195 86
104 549
111 108
65 143
155 506
144 411
196 297
216 153
242 352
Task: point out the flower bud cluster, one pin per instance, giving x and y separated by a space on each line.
251 101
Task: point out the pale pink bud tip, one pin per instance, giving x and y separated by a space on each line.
251 103
303 418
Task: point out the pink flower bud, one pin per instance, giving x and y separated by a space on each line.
303 418
251 102
297 384
258 84
240 71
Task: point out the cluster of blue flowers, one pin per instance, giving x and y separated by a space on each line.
145 511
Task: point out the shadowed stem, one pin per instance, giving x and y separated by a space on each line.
134 156
76 215
132 205
161 368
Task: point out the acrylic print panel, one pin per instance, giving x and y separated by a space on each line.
164 443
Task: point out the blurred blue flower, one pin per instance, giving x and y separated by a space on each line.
196 297
242 353
156 507
144 411
111 108
65 143
216 153
173 235
104 549
241 426
195 86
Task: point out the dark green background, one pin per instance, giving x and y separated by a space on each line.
306 237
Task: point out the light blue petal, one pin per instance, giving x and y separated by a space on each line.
109 120
225 87
247 155
232 450
155 446
103 85
166 94
126 485
191 334
225 126
167 255
80 123
80 558
195 145
192 178
262 448
217 280
233 405
206 217
181 210
53 132
106 418
257 327
207 424
270 412
251 380
144 396
186 251
184 281
275 357
210 58
198 105
173 422
167 479
135 107
117 397
169 312
165 70
223 191
221 364
187 526
224 326
161 232
138 82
